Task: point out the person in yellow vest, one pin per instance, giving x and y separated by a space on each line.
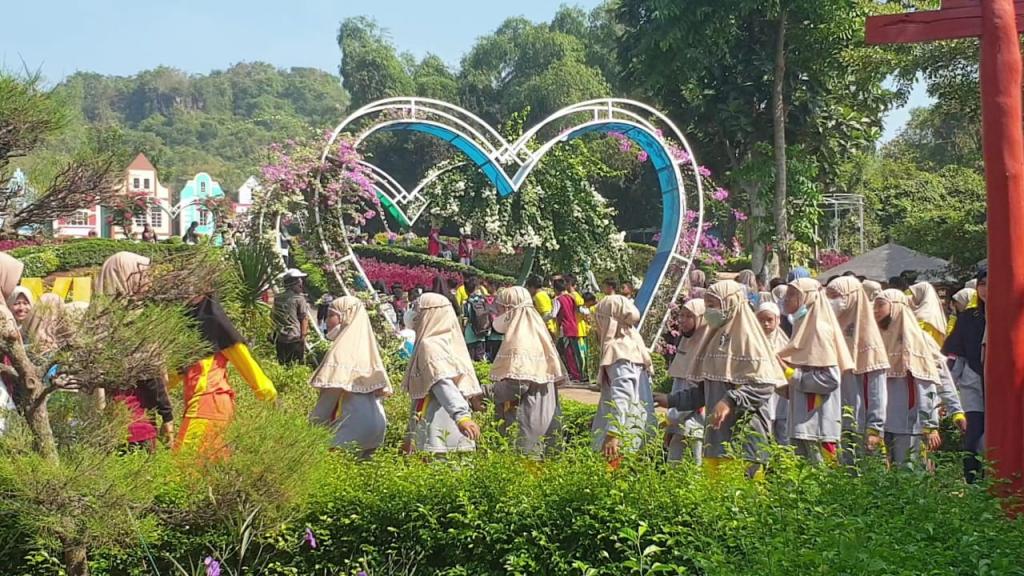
582 323
462 296
542 302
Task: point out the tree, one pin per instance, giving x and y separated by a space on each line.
370 68
29 117
716 68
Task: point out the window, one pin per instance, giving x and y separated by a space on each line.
156 216
145 184
204 217
202 188
139 220
80 218
135 184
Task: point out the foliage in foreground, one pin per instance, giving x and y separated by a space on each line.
497 513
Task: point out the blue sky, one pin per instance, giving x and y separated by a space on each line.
60 37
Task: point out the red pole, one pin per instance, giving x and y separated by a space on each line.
1004 178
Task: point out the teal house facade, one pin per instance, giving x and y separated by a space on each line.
196 190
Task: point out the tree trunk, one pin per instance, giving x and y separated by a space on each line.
76 560
28 393
529 255
779 143
758 213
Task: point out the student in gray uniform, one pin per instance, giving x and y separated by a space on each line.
863 388
352 380
769 317
738 371
914 379
818 356
440 379
525 371
625 414
685 430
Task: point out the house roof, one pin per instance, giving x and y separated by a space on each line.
141 163
891 260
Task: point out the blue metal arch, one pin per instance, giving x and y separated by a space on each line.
672 216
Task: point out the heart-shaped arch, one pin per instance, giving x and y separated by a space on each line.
490 152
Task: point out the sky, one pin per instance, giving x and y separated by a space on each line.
123 37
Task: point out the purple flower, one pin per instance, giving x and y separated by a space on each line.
703 171
720 194
212 566
310 539
641 156
740 216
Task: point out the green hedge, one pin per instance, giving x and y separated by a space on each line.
396 255
44 260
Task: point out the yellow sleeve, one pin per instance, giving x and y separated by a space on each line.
173 380
251 372
461 296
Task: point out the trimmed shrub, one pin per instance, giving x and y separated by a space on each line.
397 255
44 260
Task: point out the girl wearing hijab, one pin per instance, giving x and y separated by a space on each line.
686 429
739 371
863 388
352 380
916 380
818 354
928 311
769 316
40 330
440 378
625 414
778 297
122 276
962 300
20 303
526 371
748 280
872 289
967 343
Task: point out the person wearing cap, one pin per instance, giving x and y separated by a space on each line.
291 319
966 343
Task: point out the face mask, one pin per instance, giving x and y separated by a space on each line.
714 317
500 323
798 315
409 318
837 305
885 322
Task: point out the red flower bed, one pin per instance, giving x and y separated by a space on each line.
408 277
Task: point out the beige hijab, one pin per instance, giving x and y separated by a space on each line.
910 349
857 319
872 289
965 296
684 365
817 339
737 352
42 325
353 362
617 318
10 274
440 351
779 293
122 274
698 278
927 306
748 279
21 291
527 352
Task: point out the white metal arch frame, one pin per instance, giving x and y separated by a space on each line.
485 147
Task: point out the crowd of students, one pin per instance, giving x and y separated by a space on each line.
839 371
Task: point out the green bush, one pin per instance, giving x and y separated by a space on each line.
44 260
397 255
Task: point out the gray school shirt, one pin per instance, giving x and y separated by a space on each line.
863 398
752 399
361 422
969 383
434 429
910 405
689 424
534 409
626 407
815 404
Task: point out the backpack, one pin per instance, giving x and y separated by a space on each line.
479 315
